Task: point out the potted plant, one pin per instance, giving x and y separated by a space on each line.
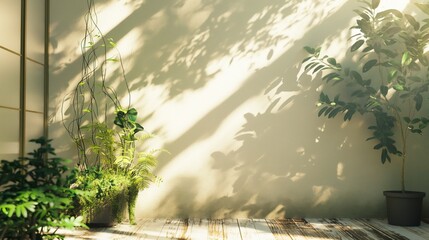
135 165
104 197
388 80
104 131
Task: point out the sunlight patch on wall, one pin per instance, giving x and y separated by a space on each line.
155 23
308 13
298 176
112 13
340 171
109 14
397 4
278 212
194 105
193 13
227 74
193 162
129 43
322 194
64 56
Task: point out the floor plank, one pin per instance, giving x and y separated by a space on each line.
150 229
216 229
338 230
321 226
277 229
247 229
200 229
253 229
401 231
232 230
380 231
263 230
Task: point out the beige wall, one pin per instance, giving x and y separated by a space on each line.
15 75
219 82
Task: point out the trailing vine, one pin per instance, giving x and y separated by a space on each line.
93 100
103 130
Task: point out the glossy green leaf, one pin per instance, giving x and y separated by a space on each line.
322 111
368 65
306 59
132 114
416 130
415 120
396 13
407 119
332 61
318 68
398 87
349 114
18 210
324 98
412 21
363 14
310 50
382 14
384 156
334 112
357 45
418 99
392 75
406 59
383 90
112 60
392 31
332 76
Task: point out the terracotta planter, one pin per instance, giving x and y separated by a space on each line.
404 208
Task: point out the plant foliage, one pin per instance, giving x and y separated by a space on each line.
103 129
35 199
388 81
101 188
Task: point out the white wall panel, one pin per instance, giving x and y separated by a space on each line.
9 80
35 89
10 24
35 29
9 137
34 129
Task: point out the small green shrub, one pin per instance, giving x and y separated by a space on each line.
35 199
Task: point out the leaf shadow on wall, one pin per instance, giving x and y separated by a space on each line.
286 152
278 163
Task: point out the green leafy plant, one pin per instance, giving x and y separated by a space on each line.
103 130
137 168
102 187
135 165
389 80
35 199
123 170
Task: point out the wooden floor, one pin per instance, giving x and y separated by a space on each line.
254 229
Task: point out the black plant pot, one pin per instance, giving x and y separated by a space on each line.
404 208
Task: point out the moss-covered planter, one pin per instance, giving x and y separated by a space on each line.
108 214
404 208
